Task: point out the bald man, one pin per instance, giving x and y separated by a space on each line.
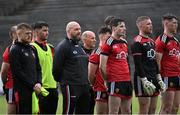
70 69
89 41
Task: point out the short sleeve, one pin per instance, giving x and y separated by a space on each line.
6 55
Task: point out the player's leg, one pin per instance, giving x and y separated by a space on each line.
101 107
144 103
126 95
153 105
10 97
126 106
101 102
167 102
114 103
176 102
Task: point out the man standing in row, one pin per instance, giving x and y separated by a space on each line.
115 70
6 75
94 75
168 50
89 42
147 81
45 53
26 71
70 69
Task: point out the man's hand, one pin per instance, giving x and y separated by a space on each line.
148 87
37 88
161 83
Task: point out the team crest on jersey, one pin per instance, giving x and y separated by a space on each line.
174 52
74 52
26 54
121 55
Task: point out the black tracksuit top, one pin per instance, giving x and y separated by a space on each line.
70 63
25 66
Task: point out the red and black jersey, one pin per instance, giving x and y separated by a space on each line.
9 83
99 82
143 51
170 48
117 68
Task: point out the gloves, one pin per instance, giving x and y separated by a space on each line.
148 87
161 83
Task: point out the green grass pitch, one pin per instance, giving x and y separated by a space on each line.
59 110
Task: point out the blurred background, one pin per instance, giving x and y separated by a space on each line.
89 13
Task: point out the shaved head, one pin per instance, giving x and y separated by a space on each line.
87 34
70 25
73 30
89 39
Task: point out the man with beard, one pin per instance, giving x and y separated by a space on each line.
147 80
70 69
168 52
115 69
45 53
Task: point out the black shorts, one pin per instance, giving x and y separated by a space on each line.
139 91
101 96
10 97
122 89
172 83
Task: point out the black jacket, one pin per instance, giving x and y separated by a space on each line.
25 67
70 63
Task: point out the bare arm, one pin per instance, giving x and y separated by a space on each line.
102 66
92 68
4 71
158 59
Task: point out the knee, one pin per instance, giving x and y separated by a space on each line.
152 110
167 108
144 108
126 111
175 108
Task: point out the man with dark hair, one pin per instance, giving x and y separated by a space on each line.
7 75
26 71
94 74
70 69
168 50
147 81
115 70
107 21
45 53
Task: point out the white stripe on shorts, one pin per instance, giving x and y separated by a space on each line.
98 95
139 85
166 81
68 99
112 88
10 95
